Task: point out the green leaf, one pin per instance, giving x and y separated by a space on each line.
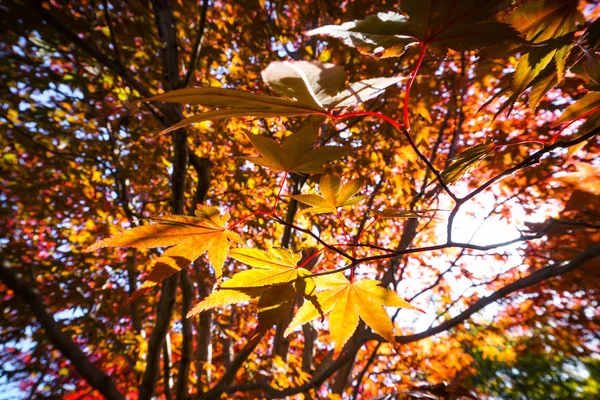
237 113
394 213
441 24
225 297
550 24
467 161
359 92
542 85
261 259
581 107
535 69
225 98
591 66
378 34
277 271
547 21
542 20
274 304
309 82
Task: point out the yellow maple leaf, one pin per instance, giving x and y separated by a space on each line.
333 195
346 302
275 279
190 237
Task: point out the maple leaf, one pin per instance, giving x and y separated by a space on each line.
550 24
275 279
190 237
457 25
587 105
544 21
395 213
232 103
466 161
321 85
295 154
346 302
333 195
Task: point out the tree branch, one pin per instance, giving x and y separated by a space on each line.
166 30
165 23
361 375
187 294
530 280
164 313
529 161
89 48
27 292
532 160
223 385
167 376
202 167
197 45
113 38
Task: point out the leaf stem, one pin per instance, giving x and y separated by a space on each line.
244 218
274 209
409 85
309 259
364 230
412 143
341 221
557 134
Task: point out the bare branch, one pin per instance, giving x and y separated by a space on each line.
532 160
530 280
165 24
113 39
187 294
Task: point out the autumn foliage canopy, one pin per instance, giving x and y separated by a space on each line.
307 199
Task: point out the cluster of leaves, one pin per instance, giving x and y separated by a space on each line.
370 194
312 88
278 278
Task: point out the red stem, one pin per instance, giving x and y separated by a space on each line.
311 257
249 216
274 209
387 119
366 229
557 134
412 143
339 217
410 82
